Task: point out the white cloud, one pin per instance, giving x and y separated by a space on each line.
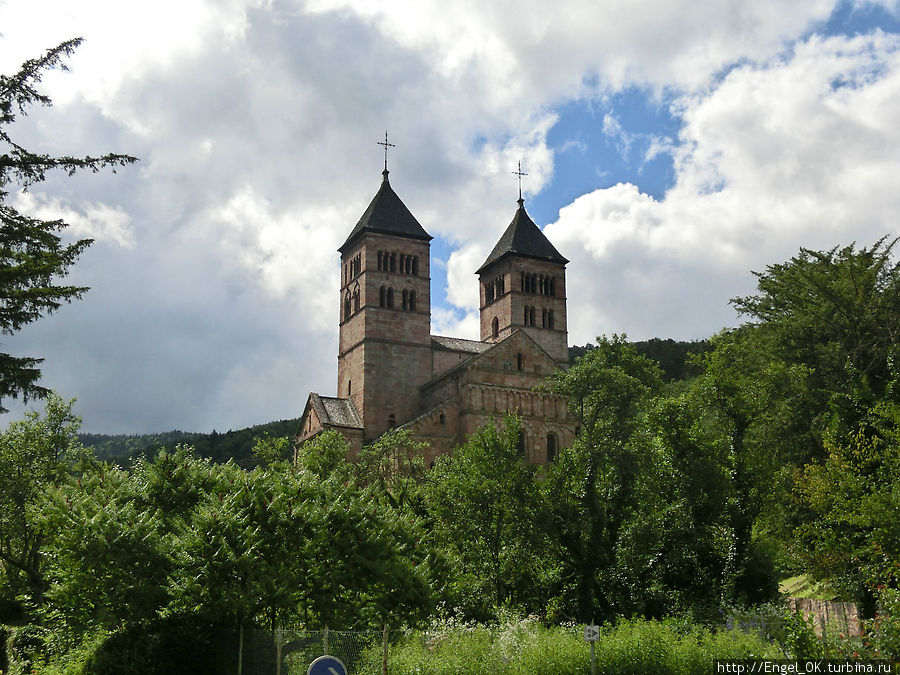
89 221
802 151
256 125
551 50
455 323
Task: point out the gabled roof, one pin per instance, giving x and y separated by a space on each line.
387 214
335 412
523 238
518 333
459 344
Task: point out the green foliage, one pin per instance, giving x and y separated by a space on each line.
180 536
32 253
394 465
525 647
671 500
181 645
25 648
233 444
110 558
271 450
486 510
673 549
836 313
676 359
590 489
325 455
883 632
32 462
758 406
850 535
774 622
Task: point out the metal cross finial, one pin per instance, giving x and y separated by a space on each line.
386 146
520 173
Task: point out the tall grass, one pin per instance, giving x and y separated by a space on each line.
525 647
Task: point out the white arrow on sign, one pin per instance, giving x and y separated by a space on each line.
333 671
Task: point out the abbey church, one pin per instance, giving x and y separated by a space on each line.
392 373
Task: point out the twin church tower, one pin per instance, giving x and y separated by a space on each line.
393 373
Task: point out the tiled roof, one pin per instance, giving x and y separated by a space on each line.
387 214
523 238
338 412
459 344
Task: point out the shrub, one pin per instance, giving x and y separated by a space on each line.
25 646
173 645
777 623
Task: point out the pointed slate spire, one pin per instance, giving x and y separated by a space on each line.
387 214
523 238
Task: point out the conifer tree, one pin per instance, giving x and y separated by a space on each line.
33 256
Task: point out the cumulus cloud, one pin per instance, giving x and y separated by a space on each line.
799 151
96 220
256 120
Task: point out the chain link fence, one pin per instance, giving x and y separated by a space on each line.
289 652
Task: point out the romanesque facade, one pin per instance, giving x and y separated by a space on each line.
393 373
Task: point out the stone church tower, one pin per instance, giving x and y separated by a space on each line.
384 349
523 286
393 373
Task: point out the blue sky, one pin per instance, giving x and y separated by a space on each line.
671 148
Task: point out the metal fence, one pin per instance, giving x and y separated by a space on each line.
289 652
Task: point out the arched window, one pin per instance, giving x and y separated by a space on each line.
443 418
495 327
534 283
553 286
390 298
550 319
524 285
415 266
531 315
544 318
525 320
392 421
407 266
347 307
393 262
520 361
521 444
382 297
405 299
552 444
379 260
356 299
412 301
501 285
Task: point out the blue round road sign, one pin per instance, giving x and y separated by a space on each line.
326 665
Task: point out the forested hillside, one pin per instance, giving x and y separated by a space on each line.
218 447
675 357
